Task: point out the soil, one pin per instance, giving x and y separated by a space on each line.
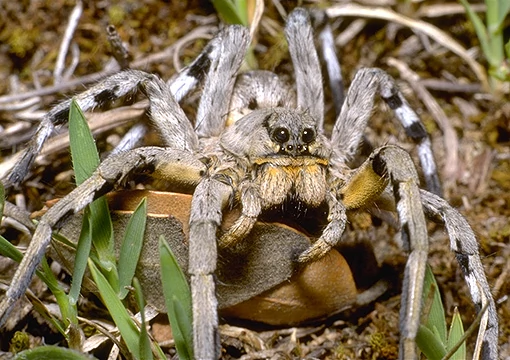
478 184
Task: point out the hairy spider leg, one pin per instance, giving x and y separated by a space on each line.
114 169
464 245
219 83
307 70
357 109
328 54
105 91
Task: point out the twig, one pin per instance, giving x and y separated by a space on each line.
119 51
354 10
257 15
448 86
74 18
503 277
21 105
142 63
440 10
350 32
18 214
451 142
180 44
75 60
481 319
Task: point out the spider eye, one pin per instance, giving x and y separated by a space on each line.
281 135
308 135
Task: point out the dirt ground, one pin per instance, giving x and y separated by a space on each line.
472 147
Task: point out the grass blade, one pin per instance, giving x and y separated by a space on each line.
47 276
131 247
504 10
85 161
177 300
230 12
51 352
481 32
84 153
436 320
82 255
129 331
455 335
145 344
429 344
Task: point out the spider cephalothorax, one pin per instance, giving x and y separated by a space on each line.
287 156
264 159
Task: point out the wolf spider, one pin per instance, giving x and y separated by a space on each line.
275 154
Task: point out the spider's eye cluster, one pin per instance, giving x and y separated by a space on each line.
308 135
281 135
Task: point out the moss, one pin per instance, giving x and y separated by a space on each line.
19 342
381 348
117 14
21 41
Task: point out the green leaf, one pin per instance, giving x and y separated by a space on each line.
503 10
11 251
177 300
145 344
47 276
83 147
131 247
102 237
436 320
481 32
455 335
128 329
40 308
184 321
232 11
429 344
2 199
81 258
67 308
50 352
85 161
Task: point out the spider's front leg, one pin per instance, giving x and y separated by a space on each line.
331 235
412 205
362 188
251 209
400 169
388 164
209 199
113 170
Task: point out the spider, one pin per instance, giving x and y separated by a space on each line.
275 157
